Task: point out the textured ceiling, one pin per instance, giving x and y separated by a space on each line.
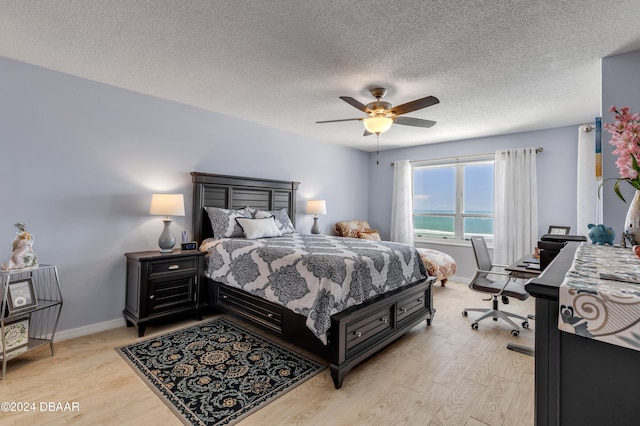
497 66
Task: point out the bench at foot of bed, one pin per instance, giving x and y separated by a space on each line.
439 264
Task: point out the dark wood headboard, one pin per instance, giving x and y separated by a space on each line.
233 192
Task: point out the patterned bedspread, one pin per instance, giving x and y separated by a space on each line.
314 275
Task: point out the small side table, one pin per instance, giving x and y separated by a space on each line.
161 285
31 300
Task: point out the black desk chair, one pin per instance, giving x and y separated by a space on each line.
505 289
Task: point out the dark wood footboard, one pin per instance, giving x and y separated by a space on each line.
355 334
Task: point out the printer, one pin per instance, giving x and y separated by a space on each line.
551 244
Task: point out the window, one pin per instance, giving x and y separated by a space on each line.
453 201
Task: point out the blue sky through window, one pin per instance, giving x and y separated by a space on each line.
478 188
435 189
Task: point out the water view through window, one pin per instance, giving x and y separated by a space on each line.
453 201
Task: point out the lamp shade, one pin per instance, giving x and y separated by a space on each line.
316 207
167 204
377 124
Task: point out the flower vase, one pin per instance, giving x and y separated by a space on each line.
632 221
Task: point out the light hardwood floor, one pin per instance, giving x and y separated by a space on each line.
443 374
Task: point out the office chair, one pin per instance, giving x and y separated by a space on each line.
504 289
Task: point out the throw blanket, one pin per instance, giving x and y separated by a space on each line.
314 275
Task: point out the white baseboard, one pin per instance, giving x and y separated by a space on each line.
89 329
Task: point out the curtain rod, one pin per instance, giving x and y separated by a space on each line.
461 157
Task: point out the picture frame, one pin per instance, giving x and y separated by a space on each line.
16 334
558 230
21 296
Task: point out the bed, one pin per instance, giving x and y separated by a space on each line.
355 329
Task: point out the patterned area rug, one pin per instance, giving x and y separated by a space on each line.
217 373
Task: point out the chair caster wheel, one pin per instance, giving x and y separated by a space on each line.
525 324
495 319
515 333
474 326
505 300
464 313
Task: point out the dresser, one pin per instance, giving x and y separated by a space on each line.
578 380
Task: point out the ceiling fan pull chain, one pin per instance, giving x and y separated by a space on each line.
378 149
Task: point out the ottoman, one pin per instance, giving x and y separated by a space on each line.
438 264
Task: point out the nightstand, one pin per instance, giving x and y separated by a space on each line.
161 285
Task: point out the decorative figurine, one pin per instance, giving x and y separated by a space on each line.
22 255
600 234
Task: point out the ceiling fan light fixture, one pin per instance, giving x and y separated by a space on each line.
378 124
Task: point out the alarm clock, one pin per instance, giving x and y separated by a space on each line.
189 246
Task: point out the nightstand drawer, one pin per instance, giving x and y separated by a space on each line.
189 264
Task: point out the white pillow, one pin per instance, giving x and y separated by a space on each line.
281 216
259 228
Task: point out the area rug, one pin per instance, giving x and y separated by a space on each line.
217 373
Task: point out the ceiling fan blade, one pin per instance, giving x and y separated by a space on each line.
367 133
415 105
362 107
344 119
415 122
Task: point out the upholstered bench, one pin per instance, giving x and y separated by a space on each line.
439 264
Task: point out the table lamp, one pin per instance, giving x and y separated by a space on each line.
167 205
316 207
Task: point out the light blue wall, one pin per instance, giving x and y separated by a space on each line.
620 87
557 174
80 161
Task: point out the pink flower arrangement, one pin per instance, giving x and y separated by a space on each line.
626 138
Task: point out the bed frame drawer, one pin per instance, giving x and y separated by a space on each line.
360 331
250 307
406 307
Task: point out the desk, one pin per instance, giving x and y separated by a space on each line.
519 269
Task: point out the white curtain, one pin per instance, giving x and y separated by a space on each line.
589 179
402 204
516 204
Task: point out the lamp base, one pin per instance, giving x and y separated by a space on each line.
315 229
166 240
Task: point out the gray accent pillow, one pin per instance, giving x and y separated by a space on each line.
223 222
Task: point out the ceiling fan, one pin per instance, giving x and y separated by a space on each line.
381 115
